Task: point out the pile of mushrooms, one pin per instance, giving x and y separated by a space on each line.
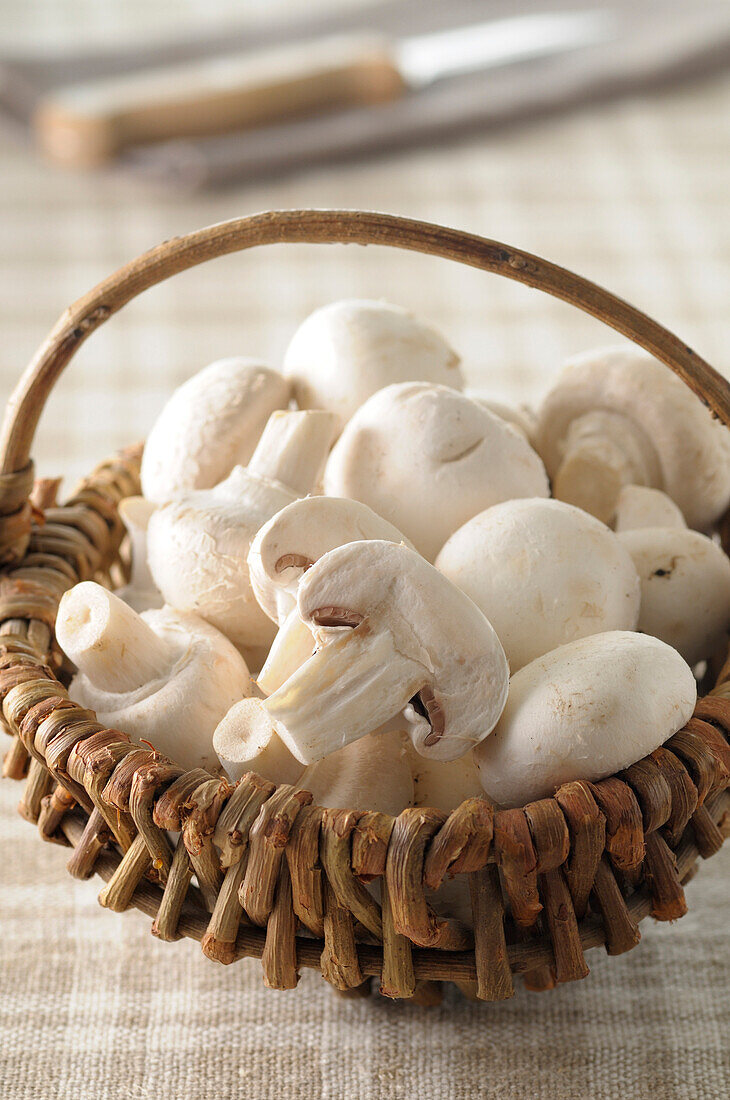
353 576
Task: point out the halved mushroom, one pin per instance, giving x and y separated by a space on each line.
164 677
344 352
395 637
427 459
685 589
544 573
197 545
209 425
585 711
616 417
284 548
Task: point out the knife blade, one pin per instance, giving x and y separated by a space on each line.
87 124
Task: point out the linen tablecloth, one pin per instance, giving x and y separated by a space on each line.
632 194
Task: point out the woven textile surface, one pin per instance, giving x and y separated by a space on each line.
632 194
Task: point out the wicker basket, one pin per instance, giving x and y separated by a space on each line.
277 877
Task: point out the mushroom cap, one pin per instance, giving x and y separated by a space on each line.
585 711
298 536
692 450
177 713
345 351
209 425
544 573
639 506
427 459
449 649
685 588
197 548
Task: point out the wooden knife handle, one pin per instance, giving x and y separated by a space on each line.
85 125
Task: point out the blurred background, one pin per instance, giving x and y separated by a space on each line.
612 159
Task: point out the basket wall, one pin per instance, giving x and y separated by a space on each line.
261 871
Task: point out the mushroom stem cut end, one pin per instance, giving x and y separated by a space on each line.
246 740
109 642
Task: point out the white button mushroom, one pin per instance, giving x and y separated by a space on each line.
585 711
344 352
396 637
284 548
209 425
544 573
618 417
369 774
639 506
685 588
427 459
140 593
162 676
197 545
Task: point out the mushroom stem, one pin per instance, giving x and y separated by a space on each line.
141 593
639 506
292 646
246 740
346 689
108 641
604 451
293 448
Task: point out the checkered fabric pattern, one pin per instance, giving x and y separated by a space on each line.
632 194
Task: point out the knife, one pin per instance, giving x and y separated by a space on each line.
87 124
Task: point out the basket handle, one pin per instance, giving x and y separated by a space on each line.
319 227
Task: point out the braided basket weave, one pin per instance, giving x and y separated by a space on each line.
261 871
